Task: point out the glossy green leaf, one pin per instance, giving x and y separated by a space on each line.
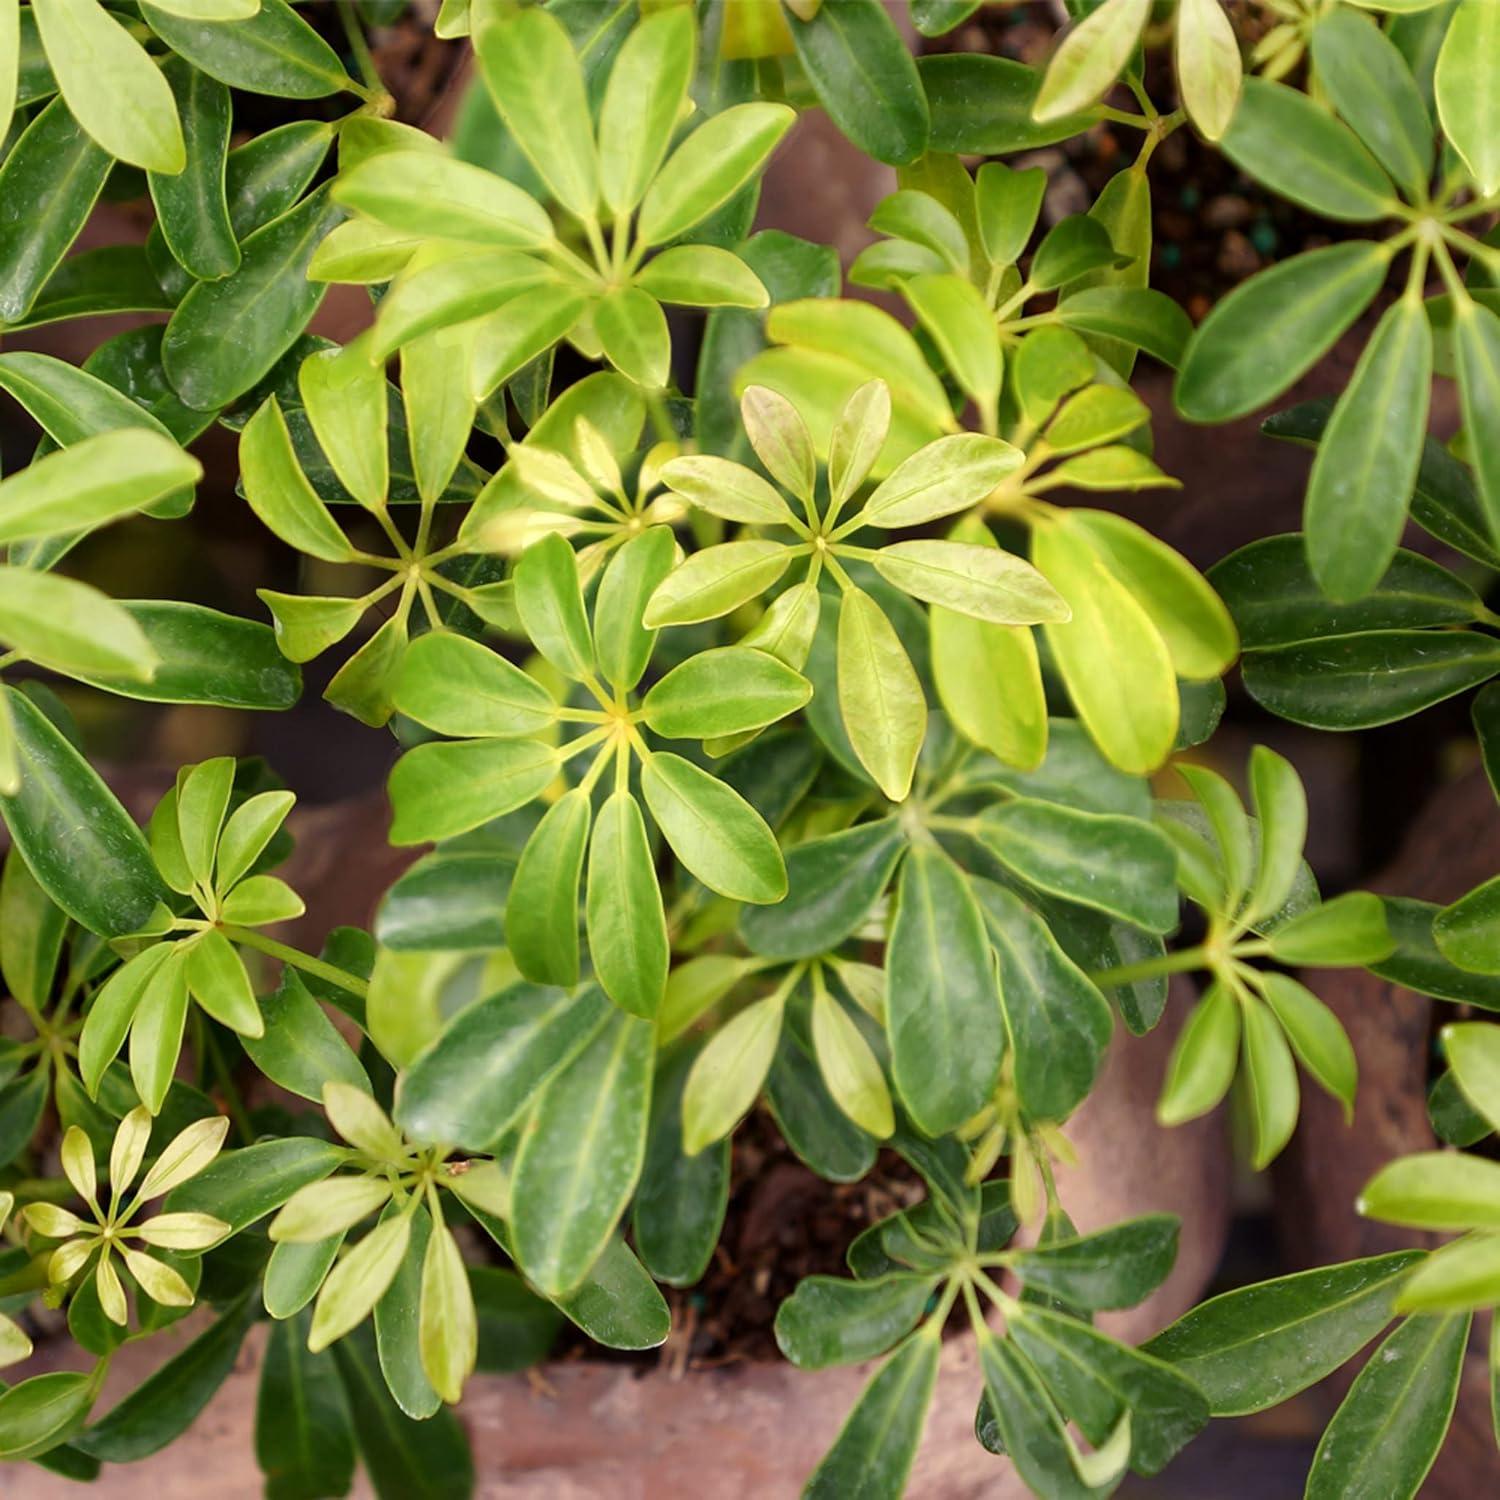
1271 1079
985 582
304 1436
541 912
1112 657
1457 1277
680 1203
1090 57
1194 624
622 642
439 790
56 172
426 194
875 1448
1295 147
1366 464
949 475
491 1059
1435 1190
632 329
1114 1267
456 686
1350 929
880 696
1387 1432
551 606
405 1460
111 85
1281 813
301 1049
641 106
274 51
582 1154
1467 932
42 1412
94 481
167 1403
60 623
729 1073
708 168
983 106
864 77
80 844
344 395
242 1186
627 927
1276 601
716 834
829 1320
1361 681
225 335
1138 316
1476 339
1317 1037
1254 1347
1118 865
191 205
1272 329
528 65
1203 1059
723 691
1372 88
1467 86
1057 1022
832 883
942 1010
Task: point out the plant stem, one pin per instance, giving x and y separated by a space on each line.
248 937
1149 968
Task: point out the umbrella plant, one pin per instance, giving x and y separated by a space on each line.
786 712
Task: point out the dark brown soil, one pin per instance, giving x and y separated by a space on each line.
783 1223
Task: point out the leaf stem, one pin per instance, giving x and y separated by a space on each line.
1180 962
249 938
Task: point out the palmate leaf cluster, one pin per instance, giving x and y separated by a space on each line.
783 736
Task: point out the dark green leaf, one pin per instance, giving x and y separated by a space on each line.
1059 1025
1276 601
1254 1347
831 1321
1387 1432
81 845
168 1402
48 186
943 1015
1117 865
582 1153
864 77
301 1049
405 1460
191 206
983 106
492 1058
226 334
1115 1267
680 1203
1360 681
1271 329
873 1453
1296 147
1366 465
832 883
272 52
304 1432
243 1186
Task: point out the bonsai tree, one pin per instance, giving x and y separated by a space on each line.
779 726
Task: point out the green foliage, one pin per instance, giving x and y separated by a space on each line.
781 724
